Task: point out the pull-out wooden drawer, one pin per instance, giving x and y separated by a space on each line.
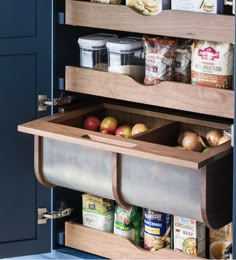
146 170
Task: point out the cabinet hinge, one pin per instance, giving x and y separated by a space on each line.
44 214
44 102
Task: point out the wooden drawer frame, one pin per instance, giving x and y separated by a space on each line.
216 208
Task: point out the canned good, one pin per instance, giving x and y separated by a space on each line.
156 230
93 52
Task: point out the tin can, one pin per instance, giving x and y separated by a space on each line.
156 230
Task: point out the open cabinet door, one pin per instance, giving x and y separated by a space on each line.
25 68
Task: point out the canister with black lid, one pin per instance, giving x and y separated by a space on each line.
93 52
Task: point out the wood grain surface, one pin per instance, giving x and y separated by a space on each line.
112 246
48 128
168 23
186 97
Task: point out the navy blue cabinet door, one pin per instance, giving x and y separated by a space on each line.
25 72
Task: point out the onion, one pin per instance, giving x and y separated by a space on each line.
224 139
181 136
191 142
213 137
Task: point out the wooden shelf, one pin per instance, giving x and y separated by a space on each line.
180 24
112 246
203 100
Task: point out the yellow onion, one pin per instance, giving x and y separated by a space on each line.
181 136
191 142
224 139
213 137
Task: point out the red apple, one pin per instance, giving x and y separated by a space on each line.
124 131
138 128
91 123
108 125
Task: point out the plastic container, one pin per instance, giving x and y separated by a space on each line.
93 52
207 6
126 56
149 7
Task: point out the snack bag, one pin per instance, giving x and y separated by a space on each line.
127 223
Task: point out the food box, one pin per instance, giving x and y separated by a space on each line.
219 240
98 212
189 236
204 6
149 7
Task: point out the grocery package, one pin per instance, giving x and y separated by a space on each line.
126 56
159 59
189 236
93 51
212 64
219 240
127 223
149 7
204 6
182 66
98 212
113 2
157 227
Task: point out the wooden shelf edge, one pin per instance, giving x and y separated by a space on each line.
180 96
167 23
112 246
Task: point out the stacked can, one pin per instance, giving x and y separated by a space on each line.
156 230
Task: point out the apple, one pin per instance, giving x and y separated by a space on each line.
91 123
138 128
124 131
108 125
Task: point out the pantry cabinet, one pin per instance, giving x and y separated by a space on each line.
39 56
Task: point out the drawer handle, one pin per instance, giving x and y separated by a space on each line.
106 140
116 182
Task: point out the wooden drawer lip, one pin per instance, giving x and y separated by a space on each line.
50 128
117 17
187 97
112 246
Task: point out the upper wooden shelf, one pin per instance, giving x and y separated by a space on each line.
180 24
186 97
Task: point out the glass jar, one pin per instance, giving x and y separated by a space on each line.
93 52
126 56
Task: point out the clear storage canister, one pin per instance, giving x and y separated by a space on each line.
93 52
126 56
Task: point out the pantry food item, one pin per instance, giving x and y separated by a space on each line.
114 2
123 131
138 128
218 241
91 123
191 141
189 236
149 7
213 137
224 139
127 223
182 66
93 52
204 6
108 125
159 59
212 64
126 56
157 226
98 212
